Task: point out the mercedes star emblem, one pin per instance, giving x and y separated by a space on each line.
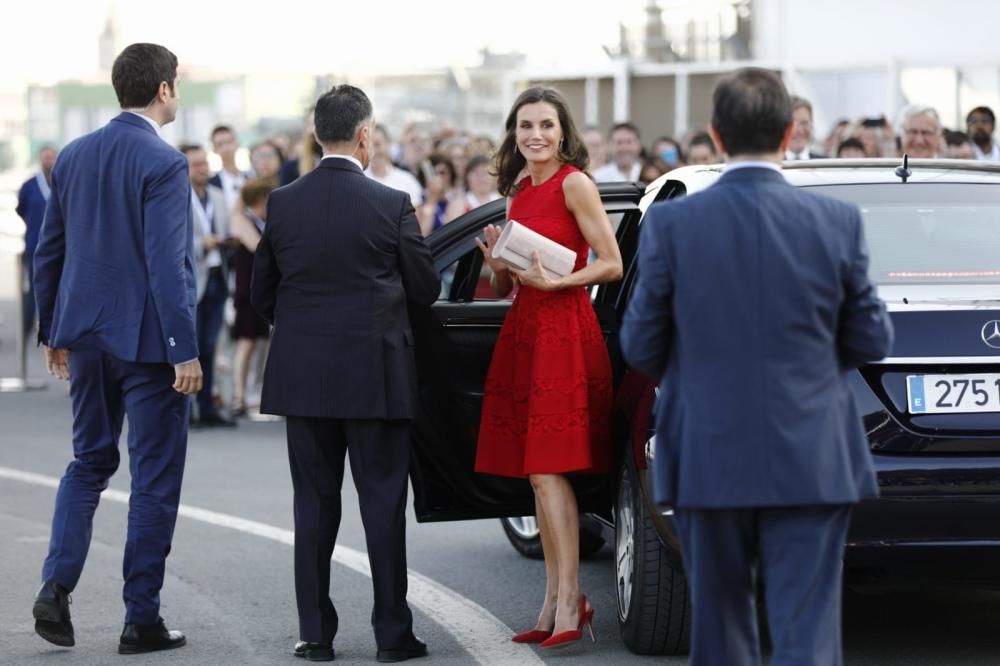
991 334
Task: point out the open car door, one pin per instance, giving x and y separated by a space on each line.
454 342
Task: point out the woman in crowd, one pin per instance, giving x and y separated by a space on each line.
667 153
701 150
547 404
457 152
309 153
246 226
480 188
266 159
437 177
652 168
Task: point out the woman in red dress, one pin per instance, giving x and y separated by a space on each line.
547 402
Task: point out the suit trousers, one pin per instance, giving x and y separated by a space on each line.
211 310
103 390
796 551
28 290
379 452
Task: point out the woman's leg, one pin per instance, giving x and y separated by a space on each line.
547 616
558 501
241 368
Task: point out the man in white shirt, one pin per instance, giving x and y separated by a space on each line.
980 124
597 148
625 151
920 130
382 170
230 179
802 123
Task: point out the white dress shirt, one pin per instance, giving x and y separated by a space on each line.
609 173
752 164
993 155
350 158
398 179
152 123
204 215
231 186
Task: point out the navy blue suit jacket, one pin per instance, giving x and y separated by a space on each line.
114 266
31 208
751 307
340 257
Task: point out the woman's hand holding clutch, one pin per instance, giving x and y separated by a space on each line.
536 276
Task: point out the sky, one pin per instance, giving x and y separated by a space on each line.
58 39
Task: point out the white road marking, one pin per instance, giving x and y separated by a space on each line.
479 632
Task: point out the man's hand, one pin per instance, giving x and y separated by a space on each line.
187 377
57 362
211 242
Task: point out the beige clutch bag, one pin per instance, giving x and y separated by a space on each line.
517 243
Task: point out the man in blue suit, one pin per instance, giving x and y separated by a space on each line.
752 306
31 201
114 282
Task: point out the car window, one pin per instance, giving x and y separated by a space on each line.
928 233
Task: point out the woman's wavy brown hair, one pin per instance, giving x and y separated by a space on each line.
508 163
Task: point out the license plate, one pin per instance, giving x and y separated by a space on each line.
937 394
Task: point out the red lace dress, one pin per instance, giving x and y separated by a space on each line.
547 402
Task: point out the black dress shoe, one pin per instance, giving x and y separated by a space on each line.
51 611
314 651
141 638
413 649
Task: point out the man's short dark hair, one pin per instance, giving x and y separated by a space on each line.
219 129
339 112
986 111
801 103
624 126
751 111
702 139
955 138
187 148
138 72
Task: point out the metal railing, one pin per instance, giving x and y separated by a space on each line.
20 382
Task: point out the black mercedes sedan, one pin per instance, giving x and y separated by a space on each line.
931 409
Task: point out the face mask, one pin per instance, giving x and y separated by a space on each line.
669 155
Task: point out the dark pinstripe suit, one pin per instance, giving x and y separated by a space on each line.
339 258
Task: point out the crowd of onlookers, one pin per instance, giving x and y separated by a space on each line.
446 173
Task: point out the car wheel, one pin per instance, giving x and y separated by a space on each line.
654 605
523 534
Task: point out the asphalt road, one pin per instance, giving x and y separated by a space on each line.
231 591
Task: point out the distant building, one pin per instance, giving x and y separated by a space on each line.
108 45
64 111
851 59
469 98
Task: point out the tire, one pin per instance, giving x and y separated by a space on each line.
654 604
523 535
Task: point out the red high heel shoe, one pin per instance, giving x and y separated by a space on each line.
533 636
564 638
